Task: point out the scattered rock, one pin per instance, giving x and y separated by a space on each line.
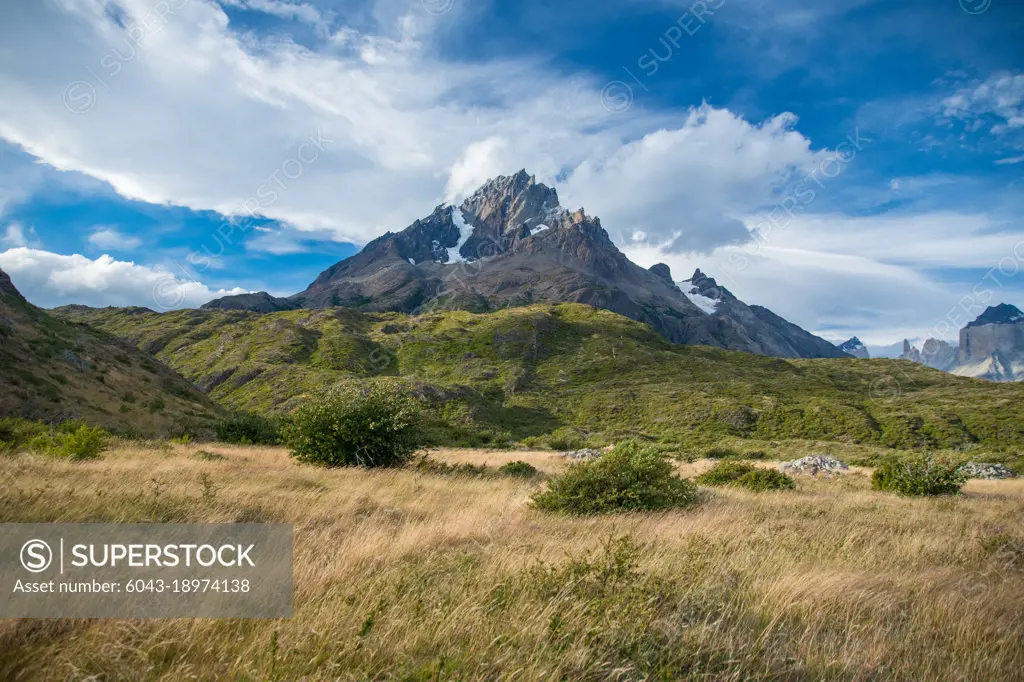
986 471
813 465
584 454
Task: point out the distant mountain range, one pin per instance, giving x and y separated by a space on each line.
512 244
990 347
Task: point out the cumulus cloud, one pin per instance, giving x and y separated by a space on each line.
112 240
480 162
687 189
15 234
49 280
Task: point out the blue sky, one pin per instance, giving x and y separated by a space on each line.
857 165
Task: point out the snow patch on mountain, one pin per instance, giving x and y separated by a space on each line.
465 232
705 303
539 228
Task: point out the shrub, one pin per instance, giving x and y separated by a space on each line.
721 453
79 442
427 465
919 475
248 429
632 477
17 433
746 476
725 473
370 424
766 479
518 469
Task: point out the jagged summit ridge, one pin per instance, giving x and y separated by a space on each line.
1004 313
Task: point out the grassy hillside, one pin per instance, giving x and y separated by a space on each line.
53 370
566 374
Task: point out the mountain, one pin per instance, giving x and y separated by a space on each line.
855 348
53 370
933 353
560 374
1004 313
512 244
992 346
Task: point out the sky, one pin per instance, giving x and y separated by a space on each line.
857 166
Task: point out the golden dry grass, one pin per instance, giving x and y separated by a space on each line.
406 575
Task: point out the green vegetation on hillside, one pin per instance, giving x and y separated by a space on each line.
570 375
55 370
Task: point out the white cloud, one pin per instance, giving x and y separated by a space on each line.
688 188
480 162
112 240
49 279
15 235
1001 96
1010 160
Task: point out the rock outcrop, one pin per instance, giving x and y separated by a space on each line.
933 353
992 346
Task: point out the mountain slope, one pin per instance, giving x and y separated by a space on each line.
569 369
511 244
52 369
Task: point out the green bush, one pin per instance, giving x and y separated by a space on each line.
518 469
426 465
372 424
17 433
745 475
248 429
765 479
632 477
919 475
76 443
721 453
725 473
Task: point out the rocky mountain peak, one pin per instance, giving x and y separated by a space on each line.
993 344
510 203
663 271
1004 313
854 347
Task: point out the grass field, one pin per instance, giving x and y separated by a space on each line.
409 575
